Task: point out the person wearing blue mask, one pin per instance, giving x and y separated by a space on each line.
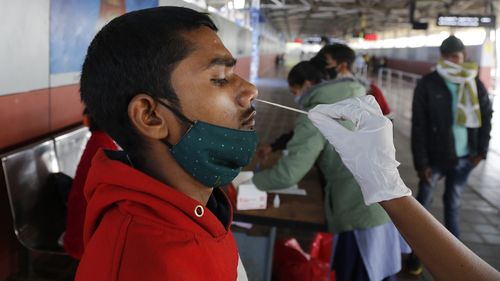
301 78
368 246
161 83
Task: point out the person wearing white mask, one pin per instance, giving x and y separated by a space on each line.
368 152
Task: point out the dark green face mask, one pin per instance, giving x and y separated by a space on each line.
212 154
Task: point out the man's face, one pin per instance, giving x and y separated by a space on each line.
207 87
456 58
331 67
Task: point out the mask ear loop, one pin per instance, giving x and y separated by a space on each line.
178 114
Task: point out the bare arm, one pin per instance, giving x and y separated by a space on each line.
443 254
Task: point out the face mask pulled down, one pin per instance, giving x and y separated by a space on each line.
212 154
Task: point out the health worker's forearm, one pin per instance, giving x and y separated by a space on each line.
441 252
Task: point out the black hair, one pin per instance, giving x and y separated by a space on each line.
304 71
135 53
451 45
340 53
318 61
93 125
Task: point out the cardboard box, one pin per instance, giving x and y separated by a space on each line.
248 196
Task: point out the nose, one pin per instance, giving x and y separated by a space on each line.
247 93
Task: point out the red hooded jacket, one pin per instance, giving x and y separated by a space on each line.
137 228
73 238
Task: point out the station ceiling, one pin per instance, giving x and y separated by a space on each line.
341 18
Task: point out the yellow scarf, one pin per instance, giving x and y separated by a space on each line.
468 110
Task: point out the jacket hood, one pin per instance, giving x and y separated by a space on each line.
112 183
331 92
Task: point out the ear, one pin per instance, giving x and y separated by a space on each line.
307 84
145 115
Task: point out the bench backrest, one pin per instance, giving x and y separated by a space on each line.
35 206
69 149
39 213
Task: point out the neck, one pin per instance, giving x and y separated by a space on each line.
344 73
159 164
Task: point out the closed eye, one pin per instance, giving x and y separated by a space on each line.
219 82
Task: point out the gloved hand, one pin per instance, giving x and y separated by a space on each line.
368 150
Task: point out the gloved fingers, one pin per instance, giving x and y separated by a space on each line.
328 126
349 109
369 103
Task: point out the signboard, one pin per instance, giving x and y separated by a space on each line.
370 37
466 21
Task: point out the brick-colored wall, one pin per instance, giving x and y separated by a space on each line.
30 115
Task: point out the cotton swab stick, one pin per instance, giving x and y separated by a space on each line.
282 106
290 108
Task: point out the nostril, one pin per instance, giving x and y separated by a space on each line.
248 95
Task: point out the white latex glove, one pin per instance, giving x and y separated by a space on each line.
368 150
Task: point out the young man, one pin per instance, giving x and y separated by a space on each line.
161 84
326 64
451 125
368 245
324 60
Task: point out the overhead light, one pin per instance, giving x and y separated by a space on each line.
239 4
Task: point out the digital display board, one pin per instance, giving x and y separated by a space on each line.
466 20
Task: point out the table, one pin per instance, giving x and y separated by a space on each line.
295 211
307 212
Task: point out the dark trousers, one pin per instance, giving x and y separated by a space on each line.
455 182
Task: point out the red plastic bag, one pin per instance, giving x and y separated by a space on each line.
322 246
291 263
379 97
